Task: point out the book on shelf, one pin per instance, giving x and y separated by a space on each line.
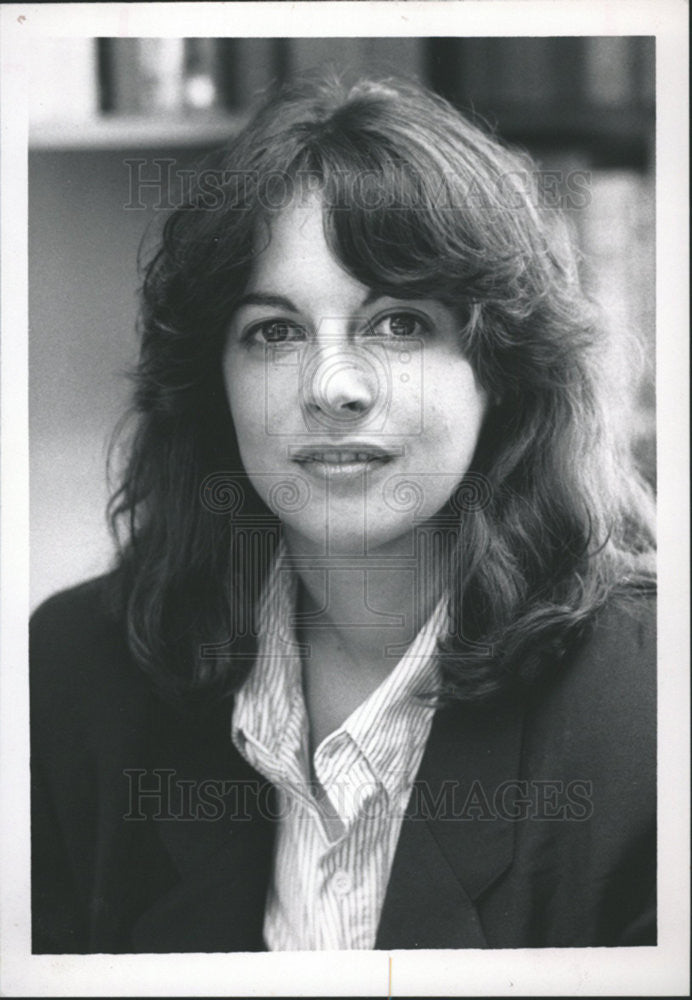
608 71
158 76
246 67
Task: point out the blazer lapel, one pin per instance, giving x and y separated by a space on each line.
452 846
456 837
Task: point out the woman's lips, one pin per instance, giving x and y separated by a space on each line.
338 457
341 462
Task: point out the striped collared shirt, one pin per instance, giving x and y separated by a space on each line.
336 837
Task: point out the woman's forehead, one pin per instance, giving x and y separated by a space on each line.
294 258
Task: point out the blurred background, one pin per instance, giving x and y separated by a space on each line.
108 114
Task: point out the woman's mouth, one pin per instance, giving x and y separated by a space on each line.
341 462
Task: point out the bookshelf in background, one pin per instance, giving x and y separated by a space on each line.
120 92
595 94
135 92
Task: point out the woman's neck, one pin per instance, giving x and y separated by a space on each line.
370 607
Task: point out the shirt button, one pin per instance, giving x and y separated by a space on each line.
342 883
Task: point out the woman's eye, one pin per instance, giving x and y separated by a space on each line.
276 331
399 324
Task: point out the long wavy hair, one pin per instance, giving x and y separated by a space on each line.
418 202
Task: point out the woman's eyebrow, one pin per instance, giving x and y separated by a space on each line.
282 302
266 299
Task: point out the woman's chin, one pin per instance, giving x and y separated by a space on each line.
337 536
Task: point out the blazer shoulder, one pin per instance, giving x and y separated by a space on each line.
629 615
620 647
78 648
74 619
67 606
618 652
600 702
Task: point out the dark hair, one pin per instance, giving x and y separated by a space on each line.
417 202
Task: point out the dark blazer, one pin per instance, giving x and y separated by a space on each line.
531 823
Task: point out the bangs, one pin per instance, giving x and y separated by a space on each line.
406 219
379 222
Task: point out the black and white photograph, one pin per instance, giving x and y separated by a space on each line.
345 526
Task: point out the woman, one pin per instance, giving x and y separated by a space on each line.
375 667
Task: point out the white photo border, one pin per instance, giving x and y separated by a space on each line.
649 971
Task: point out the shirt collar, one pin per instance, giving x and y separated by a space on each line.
382 734
388 727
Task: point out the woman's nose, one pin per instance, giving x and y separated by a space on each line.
340 382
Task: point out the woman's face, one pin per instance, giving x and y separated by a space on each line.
356 413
